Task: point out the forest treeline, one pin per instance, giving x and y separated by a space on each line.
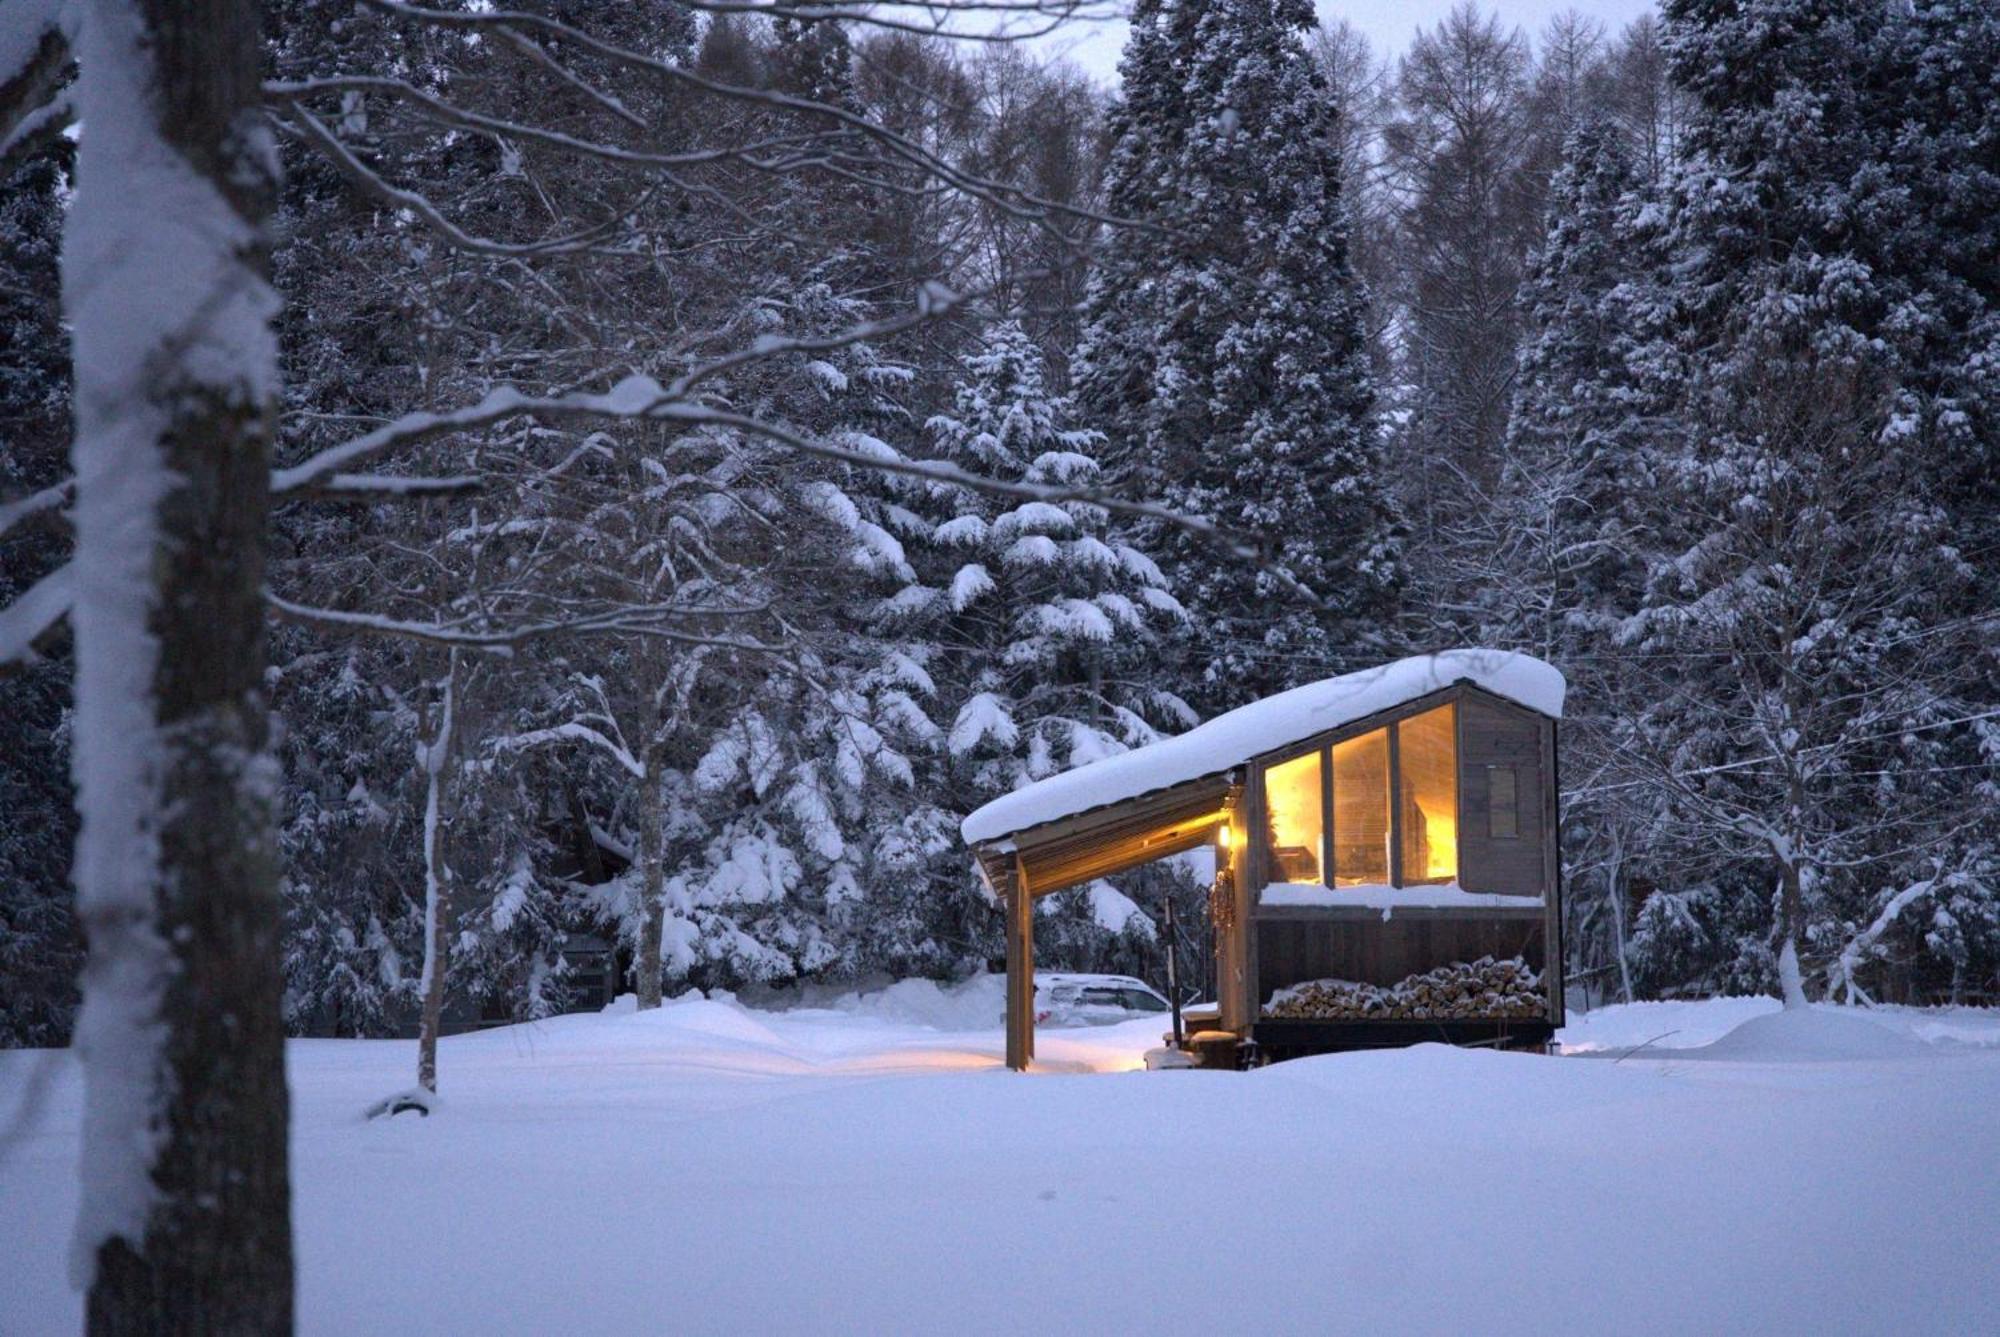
1038 422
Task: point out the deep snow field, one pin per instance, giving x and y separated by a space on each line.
868 1168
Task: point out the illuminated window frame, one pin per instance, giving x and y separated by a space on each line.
1398 875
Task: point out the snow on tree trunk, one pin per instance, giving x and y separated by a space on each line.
1791 983
651 881
435 756
1791 924
185 1217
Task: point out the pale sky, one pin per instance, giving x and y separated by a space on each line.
1389 25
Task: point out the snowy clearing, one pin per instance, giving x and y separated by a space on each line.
852 1169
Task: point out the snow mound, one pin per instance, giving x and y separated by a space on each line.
1681 1023
721 1017
977 1004
1812 1034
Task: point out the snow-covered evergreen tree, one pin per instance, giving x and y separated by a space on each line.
1049 625
1054 625
798 793
1571 523
1572 501
1225 356
1804 691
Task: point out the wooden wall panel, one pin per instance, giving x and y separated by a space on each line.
1490 735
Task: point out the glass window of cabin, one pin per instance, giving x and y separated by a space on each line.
1428 754
1361 810
1503 803
1292 808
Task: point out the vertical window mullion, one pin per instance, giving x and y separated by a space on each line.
1327 872
1395 808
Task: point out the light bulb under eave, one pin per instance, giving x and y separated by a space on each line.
1223 836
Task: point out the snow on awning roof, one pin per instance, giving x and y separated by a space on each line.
1264 726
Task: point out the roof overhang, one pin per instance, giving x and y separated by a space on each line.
1108 840
1129 781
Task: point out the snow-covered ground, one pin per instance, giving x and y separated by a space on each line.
867 1168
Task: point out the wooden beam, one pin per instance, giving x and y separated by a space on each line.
1532 911
1148 809
1077 863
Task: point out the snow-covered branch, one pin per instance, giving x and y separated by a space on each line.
45 506
504 639
33 56
291 93
376 487
35 613
1840 974
39 129
645 399
573 732
373 183
1008 199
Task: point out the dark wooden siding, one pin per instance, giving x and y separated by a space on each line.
1495 735
1369 951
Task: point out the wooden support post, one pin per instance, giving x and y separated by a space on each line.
1020 908
1235 989
1552 888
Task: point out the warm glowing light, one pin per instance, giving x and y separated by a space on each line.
1441 854
1294 817
1222 837
1428 746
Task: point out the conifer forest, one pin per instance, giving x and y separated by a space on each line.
506 508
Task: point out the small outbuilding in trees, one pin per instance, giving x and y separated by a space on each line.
1386 857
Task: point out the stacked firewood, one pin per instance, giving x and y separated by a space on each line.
1478 989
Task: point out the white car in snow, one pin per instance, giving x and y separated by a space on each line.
1092 1000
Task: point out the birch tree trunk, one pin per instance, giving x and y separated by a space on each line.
1791 893
1615 876
185 1215
652 878
1791 927
437 879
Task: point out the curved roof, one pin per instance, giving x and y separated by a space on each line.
1264 726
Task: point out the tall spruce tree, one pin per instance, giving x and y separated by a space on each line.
1052 630
1804 689
1050 637
1570 528
1224 353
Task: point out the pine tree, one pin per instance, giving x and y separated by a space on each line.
1570 534
1225 356
1570 526
1049 626
1806 547
1053 629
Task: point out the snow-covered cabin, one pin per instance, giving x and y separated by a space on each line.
1390 829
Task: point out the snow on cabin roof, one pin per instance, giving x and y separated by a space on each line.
1264 726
